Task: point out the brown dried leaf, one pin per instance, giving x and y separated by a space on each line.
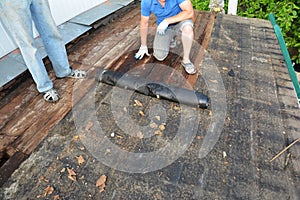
80 160
89 126
119 137
142 113
101 183
43 178
153 125
56 197
73 178
225 69
176 108
158 133
76 137
162 127
72 174
107 151
81 148
138 103
140 135
49 190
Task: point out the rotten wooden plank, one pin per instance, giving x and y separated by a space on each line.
10 166
89 50
204 42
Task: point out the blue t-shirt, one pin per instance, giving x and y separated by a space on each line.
153 6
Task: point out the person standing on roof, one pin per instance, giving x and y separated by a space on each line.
172 16
17 16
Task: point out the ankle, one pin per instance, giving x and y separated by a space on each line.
186 60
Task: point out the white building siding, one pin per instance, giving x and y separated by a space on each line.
64 10
6 44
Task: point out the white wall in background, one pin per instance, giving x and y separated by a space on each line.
232 7
6 44
64 10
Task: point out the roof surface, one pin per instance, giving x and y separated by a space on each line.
150 148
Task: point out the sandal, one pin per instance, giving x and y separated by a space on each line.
189 68
75 73
51 95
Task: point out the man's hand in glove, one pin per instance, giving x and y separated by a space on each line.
162 27
142 51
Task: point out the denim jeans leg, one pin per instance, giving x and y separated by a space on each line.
51 37
16 18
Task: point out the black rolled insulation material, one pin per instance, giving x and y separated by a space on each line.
154 89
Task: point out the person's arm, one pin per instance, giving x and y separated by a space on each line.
144 23
186 13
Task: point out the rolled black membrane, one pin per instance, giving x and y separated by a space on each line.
154 89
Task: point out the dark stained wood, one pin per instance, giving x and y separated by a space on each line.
91 48
203 40
10 166
16 102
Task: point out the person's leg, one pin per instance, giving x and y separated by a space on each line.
16 18
51 37
161 44
187 37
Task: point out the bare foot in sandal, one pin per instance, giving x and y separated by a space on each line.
51 95
76 73
189 67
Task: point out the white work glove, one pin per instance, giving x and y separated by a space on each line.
162 27
142 51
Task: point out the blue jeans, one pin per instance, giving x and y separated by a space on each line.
17 16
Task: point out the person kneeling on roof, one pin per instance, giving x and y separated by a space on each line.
171 17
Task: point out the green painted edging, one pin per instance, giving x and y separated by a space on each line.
286 55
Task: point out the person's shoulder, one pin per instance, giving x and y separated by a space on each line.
146 2
146 7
